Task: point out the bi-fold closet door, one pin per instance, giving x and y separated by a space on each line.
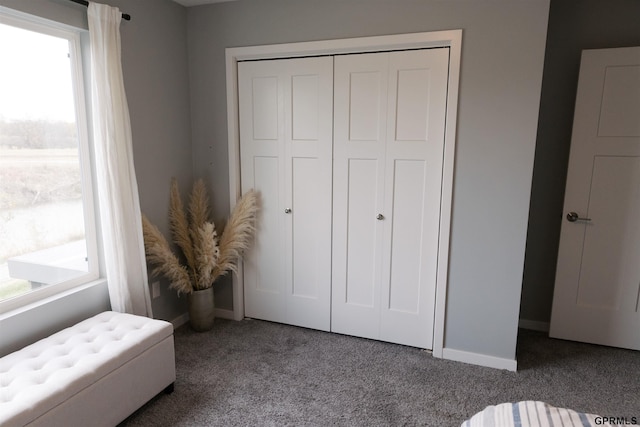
286 123
348 231
389 117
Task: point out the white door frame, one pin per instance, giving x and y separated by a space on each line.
451 39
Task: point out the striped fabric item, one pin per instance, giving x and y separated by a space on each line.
531 414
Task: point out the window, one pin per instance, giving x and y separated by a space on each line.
47 225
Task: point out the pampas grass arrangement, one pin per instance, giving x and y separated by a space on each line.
206 256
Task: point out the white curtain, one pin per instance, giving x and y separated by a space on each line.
117 188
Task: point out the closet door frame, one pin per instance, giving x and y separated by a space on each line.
451 39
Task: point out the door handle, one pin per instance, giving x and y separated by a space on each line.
573 217
380 217
287 210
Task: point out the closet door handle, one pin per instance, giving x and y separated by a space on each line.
380 217
287 210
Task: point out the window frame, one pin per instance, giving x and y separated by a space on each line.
85 154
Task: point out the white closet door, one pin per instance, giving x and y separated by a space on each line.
285 149
360 128
389 141
415 148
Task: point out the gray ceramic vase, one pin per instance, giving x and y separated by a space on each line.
201 310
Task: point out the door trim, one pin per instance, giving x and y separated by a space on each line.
451 39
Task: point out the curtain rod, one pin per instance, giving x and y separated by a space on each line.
125 16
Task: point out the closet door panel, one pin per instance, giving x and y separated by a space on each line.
356 258
309 125
362 234
263 279
305 248
261 104
304 112
309 295
270 278
408 285
264 97
286 117
414 152
366 98
412 106
406 249
360 122
417 93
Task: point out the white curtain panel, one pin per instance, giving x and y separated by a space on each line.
117 187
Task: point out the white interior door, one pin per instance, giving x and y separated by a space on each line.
414 156
388 148
360 130
285 150
597 287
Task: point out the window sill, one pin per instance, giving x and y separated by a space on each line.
31 322
101 282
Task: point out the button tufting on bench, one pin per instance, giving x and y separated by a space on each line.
43 375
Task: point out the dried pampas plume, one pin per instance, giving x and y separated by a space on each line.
207 254
238 234
180 227
160 255
207 258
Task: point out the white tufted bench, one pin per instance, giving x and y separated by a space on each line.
95 373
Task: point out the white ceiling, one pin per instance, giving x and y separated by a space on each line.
188 3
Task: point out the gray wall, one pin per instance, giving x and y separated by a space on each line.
502 62
574 25
154 56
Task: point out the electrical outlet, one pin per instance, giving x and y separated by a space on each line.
155 290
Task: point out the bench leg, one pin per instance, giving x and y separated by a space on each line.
169 389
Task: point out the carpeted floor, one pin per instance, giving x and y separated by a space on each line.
255 373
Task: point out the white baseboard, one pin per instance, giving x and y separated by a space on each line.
223 314
218 312
533 325
180 320
479 359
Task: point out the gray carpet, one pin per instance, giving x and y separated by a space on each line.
255 373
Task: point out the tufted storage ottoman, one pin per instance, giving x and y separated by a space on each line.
95 373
